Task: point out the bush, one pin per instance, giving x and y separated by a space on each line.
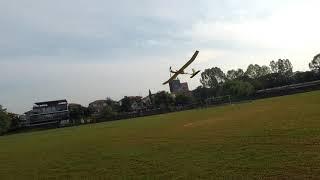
182 100
163 100
4 121
238 88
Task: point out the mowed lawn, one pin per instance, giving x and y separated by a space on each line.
276 138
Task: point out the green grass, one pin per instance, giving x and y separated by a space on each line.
277 138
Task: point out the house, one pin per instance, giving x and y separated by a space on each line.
48 113
177 87
148 101
23 120
98 106
132 103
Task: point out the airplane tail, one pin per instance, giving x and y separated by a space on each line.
194 74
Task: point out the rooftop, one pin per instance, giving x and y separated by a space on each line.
51 102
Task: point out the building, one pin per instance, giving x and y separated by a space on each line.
98 106
132 103
23 120
148 102
177 87
184 87
48 113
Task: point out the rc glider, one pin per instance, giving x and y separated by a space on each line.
181 70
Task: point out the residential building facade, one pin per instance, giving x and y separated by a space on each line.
48 113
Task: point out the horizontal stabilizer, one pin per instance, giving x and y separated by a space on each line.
194 74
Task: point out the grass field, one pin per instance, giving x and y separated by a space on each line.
271 138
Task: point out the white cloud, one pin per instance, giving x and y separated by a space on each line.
293 27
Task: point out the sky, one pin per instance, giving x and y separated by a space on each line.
84 50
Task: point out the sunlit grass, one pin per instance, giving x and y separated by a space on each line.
270 138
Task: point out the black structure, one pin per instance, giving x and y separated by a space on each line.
48 113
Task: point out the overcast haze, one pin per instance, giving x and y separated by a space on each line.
87 50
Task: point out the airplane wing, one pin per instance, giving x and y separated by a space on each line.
172 78
189 62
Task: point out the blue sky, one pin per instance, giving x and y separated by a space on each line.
85 50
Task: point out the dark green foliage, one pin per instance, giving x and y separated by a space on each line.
163 100
78 112
4 121
256 71
75 111
315 63
282 66
108 113
213 78
238 88
202 93
300 77
239 83
14 121
271 80
183 100
235 74
126 104
252 71
112 109
113 105
256 83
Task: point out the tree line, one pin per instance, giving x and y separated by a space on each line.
241 83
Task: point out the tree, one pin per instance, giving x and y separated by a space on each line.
108 113
182 99
315 63
4 120
235 74
264 70
202 93
213 78
252 71
282 66
14 121
113 104
163 100
78 112
126 104
238 88
307 76
283 71
255 71
269 81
